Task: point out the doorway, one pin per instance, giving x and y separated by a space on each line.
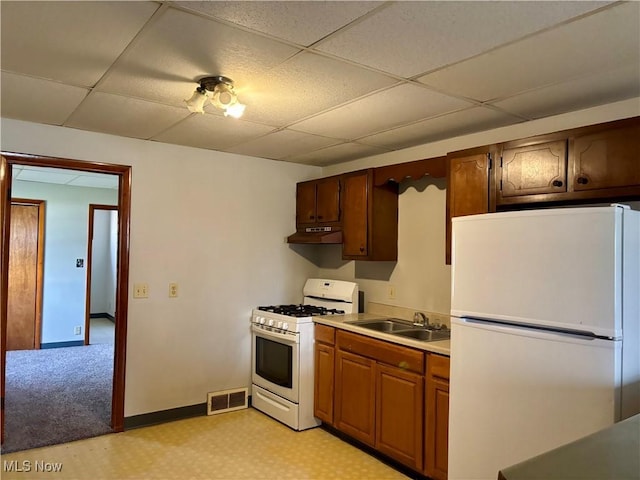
7 161
26 253
102 249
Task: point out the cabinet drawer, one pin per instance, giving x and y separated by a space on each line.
402 357
438 366
324 334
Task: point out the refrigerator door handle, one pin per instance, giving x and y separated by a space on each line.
571 336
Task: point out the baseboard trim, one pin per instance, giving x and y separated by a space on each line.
163 416
73 343
102 315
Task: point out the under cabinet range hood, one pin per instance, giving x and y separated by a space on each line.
317 235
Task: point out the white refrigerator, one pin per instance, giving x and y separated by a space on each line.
545 332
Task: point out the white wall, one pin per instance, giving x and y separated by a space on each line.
66 228
214 223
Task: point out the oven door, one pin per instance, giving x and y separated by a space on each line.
275 362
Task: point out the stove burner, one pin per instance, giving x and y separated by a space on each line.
301 310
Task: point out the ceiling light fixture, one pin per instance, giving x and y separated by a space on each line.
220 92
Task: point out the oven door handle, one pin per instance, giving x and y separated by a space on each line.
287 338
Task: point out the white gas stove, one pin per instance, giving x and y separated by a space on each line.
282 350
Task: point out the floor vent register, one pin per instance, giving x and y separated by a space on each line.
227 401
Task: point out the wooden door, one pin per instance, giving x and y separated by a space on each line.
467 189
399 407
534 169
355 396
25 275
328 200
437 417
324 386
607 159
305 203
355 215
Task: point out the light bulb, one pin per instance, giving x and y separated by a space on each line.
236 110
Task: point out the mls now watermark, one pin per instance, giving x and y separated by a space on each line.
29 466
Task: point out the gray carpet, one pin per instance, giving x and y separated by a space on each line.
57 395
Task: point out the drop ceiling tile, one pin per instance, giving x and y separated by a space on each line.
128 117
299 22
71 42
475 119
605 87
336 154
284 143
180 48
381 111
548 58
306 84
95 181
422 36
214 132
36 100
49 175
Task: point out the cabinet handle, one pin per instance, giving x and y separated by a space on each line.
583 180
361 249
557 183
311 217
319 217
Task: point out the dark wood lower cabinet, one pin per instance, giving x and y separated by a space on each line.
437 417
392 398
399 414
323 380
355 396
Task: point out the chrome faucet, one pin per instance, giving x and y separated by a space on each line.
420 320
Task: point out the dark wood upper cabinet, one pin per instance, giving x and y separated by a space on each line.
318 202
595 163
533 169
370 218
468 182
606 159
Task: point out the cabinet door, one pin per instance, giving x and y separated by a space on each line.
437 417
355 217
399 407
323 391
355 396
534 169
305 203
328 200
467 190
607 159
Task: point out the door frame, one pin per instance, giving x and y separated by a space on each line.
39 266
87 319
7 160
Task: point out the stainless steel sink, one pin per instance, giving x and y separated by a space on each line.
404 328
383 325
425 335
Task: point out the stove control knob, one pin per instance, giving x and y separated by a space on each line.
270 323
279 324
259 319
285 326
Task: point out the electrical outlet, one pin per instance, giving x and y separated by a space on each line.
391 293
77 330
173 290
140 290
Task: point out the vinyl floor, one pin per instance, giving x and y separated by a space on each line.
245 444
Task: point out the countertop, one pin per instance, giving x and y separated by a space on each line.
612 453
442 347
